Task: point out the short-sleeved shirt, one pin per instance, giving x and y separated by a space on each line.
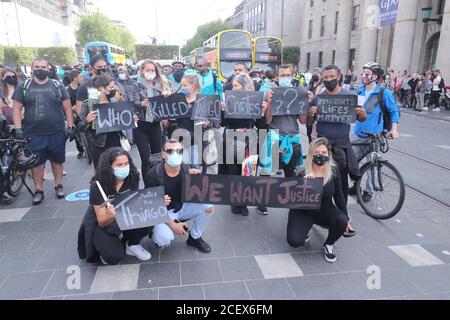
333 131
73 95
287 125
44 112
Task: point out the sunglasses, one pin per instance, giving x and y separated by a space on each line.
172 151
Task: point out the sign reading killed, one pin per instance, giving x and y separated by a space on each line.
289 101
253 191
172 107
206 108
141 209
337 108
112 117
243 104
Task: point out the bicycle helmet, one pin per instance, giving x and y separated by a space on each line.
180 60
256 69
376 68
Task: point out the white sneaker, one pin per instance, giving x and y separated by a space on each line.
437 109
138 251
425 109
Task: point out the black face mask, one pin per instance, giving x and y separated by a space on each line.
315 78
101 71
111 94
41 74
12 80
330 85
320 160
178 74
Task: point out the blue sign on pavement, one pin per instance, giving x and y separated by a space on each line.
82 195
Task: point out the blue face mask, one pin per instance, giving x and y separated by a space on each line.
285 82
185 91
174 160
122 173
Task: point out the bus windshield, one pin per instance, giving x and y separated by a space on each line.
98 50
235 47
268 52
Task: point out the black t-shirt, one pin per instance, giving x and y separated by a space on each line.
187 123
173 190
82 93
44 112
73 95
96 198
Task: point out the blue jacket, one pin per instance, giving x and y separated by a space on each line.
207 83
374 123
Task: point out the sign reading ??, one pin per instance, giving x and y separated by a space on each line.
289 101
112 117
141 209
337 108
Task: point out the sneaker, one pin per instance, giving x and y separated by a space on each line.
425 109
59 189
352 191
38 197
437 109
236 209
138 251
80 155
366 197
329 254
244 211
199 243
4 200
308 239
262 210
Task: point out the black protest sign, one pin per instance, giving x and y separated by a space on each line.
243 104
253 191
141 209
206 107
112 117
337 108
289 101
172 107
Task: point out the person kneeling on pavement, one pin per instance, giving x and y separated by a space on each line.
320 164
170 175
99 236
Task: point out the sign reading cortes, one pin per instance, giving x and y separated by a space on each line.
388 12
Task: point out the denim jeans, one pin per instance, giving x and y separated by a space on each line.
163 235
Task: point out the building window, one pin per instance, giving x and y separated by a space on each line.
310 29
320 59
322 26
355 23
333 57
311 3
308 60
336 19
351 62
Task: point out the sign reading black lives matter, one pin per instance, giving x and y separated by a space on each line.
172 107
337 108
289 101
243 104
253 191
141 209
206 107
112 117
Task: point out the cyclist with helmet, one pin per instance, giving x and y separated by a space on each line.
179 66
256 73
376 101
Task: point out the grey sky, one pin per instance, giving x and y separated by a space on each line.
177 19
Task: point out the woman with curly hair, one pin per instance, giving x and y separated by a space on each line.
99 236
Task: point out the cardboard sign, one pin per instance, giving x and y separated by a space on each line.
253 191
112 117
141 209
172 107
207 107
243 104
289 101
338 108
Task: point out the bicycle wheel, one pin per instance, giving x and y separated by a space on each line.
15 183
86 149
388 190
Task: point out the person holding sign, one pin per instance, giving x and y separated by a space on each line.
99 236
100 142
170 175
320 164
148 134
241 82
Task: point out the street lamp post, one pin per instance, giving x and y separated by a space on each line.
426 16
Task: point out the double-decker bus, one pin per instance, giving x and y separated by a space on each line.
196 55
268 52
113 54
226 49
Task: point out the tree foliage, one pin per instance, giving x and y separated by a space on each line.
204 32
291 55
156 52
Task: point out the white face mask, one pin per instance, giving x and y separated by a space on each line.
150 75
122 76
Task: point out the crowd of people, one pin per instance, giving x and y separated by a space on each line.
48 111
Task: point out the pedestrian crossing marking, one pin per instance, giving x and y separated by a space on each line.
416 256
115 279
278 266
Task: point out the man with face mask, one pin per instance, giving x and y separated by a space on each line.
239 68
46 102
179 66
170 175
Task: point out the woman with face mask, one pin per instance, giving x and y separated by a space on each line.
148 134
9 84
320 164
100 238
100 142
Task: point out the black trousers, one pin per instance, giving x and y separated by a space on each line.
344 183
289 169
301 221
112 141
309 130
434 99
111 248
148 138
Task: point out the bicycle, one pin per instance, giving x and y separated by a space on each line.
82 141
380 178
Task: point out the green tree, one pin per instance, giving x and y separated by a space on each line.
21 56
2 54
58 55
291 55
156 52
124 39
204 32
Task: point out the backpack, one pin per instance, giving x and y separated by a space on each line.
442 84
27 84
385 113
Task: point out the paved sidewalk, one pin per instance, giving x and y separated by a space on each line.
250 257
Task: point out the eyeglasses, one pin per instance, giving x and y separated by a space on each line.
172 151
